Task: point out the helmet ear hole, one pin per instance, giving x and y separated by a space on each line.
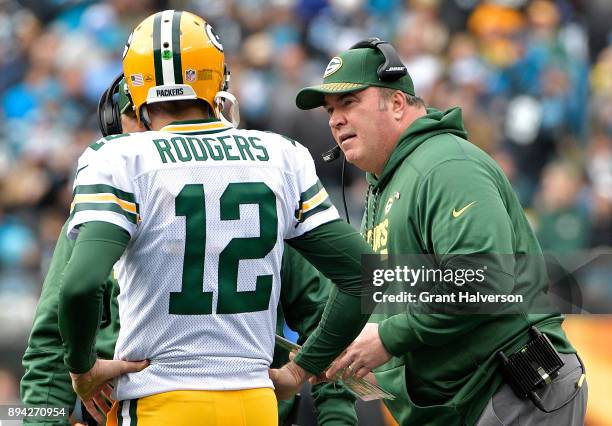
226 78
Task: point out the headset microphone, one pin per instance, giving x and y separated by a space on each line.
331 155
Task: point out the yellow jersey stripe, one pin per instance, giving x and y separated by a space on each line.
104 198
178 128
315 200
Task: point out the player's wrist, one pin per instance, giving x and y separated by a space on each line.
298 372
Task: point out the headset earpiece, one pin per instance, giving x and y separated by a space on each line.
390 70
109 117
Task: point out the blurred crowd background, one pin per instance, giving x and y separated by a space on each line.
533 78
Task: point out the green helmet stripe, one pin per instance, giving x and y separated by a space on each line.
159 74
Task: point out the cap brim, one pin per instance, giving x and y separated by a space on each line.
314 96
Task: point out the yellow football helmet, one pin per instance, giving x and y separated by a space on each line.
174 55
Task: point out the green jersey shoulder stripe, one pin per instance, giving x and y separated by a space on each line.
111 207
312 201
311 192
319 208
104 189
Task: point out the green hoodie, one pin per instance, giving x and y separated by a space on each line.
438 194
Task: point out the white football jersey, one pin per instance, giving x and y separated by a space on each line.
207 207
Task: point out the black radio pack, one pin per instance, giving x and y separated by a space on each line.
532 367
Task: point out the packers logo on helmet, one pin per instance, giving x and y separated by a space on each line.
214 38
173 55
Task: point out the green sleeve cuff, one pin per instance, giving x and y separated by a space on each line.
340 324
397 335
79 363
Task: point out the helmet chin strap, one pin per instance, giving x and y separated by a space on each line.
234 112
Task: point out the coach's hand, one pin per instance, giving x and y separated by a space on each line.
362 356
92 386
288 380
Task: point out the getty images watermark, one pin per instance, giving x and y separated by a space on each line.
434 277
484 284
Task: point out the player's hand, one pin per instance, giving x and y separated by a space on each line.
313 380
92 385
288 380
362 356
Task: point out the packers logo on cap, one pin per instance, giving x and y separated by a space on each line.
333 66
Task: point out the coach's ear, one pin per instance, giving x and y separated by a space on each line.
398 105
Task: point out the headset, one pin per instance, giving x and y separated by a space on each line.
109 116
393 68
390 70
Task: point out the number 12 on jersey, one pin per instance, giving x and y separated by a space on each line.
190 203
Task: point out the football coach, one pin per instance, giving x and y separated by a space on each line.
433 192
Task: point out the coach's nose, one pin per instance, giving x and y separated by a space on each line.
336 120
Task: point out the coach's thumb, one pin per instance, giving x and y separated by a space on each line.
133 366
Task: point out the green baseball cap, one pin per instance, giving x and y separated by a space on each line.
352 70
123 101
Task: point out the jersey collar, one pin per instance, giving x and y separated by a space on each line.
196 127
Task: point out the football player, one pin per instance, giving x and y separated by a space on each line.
195 212
46 381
